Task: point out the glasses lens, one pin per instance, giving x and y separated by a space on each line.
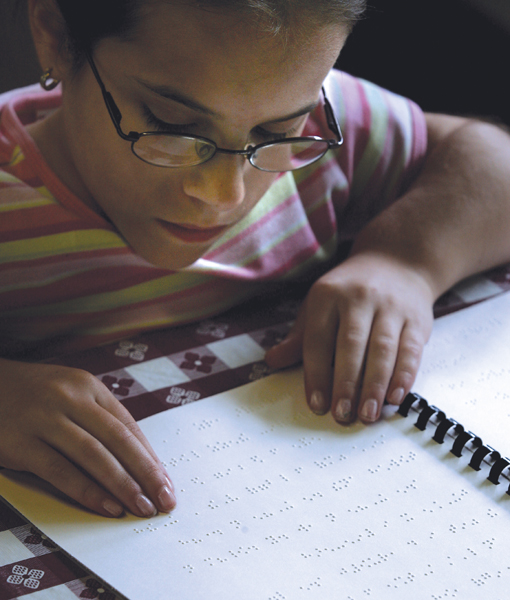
289 156
173 150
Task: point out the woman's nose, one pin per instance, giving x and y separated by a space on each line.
218 182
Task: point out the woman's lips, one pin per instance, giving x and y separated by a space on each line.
191 233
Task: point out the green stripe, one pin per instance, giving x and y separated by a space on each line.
176 319
6 177
277 194
60 243
19 204
376 141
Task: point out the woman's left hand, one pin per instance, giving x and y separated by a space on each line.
360 334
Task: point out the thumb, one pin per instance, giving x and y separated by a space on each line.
290 350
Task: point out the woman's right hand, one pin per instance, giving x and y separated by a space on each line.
65 426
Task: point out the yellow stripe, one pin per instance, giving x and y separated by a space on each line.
61 243
17 157
45 192
32 203
305 173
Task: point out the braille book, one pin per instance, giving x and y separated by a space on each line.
275 503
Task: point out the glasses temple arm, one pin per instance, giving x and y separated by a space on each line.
332 120
113 109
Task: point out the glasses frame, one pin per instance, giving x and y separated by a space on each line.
248 152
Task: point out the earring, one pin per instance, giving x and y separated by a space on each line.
47 82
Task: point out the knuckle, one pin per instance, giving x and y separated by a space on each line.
321 288
126 487
346 388
354 335
153 471
131 425
89 493
66 382
376 389
413 349
124 433
384 345
410 356
56 470
88 446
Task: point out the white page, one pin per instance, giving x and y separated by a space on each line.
278 504
465 370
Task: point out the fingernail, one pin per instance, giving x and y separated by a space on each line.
369 410
145 506
112 507
317 402
166 499
397 396
343 410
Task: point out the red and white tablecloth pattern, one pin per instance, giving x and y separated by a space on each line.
154 372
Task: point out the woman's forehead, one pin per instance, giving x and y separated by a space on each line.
198 51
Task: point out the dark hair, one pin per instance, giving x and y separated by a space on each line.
89 21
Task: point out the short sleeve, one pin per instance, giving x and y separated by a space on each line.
385 143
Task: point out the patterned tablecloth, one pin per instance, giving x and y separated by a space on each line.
154 372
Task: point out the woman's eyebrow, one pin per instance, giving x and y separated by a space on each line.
299 113
171 94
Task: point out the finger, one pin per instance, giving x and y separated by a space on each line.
379 366
351 347
112 453
290 350
50 465
412 342
91 455
318 355
107 401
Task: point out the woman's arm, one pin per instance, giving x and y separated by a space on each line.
363 326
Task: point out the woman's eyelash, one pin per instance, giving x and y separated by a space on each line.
163 126
268 135
272 135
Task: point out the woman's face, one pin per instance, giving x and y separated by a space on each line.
213 76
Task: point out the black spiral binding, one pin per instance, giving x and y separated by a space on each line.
445 426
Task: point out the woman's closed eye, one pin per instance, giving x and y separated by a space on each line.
164 127
258 132
268 136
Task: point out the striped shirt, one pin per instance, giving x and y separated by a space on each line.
68 280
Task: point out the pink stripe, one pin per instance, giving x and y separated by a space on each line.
40 270
284 256
240 239
39 169
169 308
357 126
32 228
41 263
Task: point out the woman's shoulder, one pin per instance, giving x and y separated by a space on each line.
6 97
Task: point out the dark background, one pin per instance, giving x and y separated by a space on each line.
448 55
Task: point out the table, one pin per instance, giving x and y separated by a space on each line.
161 370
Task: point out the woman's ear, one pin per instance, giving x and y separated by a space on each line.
49 36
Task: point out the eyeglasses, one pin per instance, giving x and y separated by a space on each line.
163 149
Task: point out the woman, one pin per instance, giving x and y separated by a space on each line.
164 182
